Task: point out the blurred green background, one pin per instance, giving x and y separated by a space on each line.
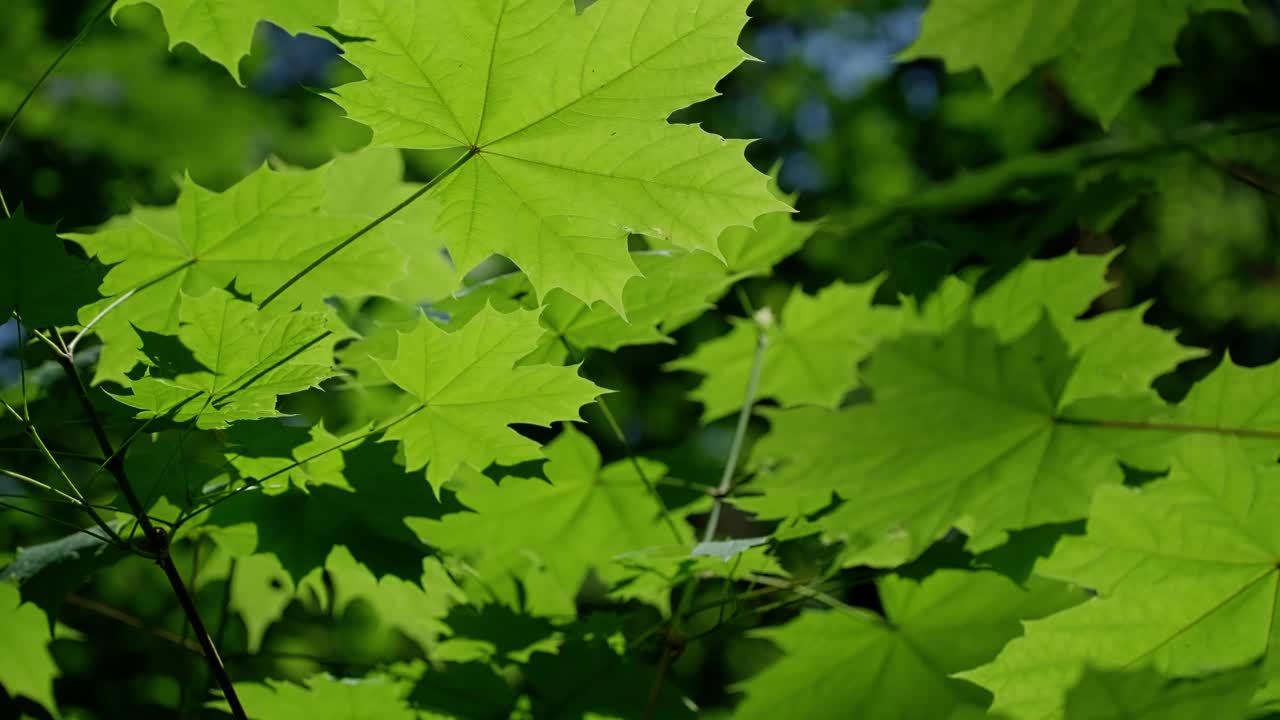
913 173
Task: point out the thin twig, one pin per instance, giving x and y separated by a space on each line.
34 435
157 540
120 616
56 521
675 633
744 418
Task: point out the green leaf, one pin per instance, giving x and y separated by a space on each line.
1145 695
853 663
1107 50
417 607
963 431
48 572
257 235
324 697
811 357
563 116
585 516
249 358
300 455
38 279
223 29
675 288
589 678
1064 288
178 466
1185 570
1231 417
26 667
470 389
775 236
300 529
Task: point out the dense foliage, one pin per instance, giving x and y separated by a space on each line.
477 380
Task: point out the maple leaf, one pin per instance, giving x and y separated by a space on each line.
1107 50
1231 417
963 431
257 234
899 665
247 359
469 389
811 354
674 289
562 117
38 279
586 515
324 696
1186 575
26 666
223 29
301 528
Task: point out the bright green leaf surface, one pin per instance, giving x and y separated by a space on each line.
586 515
1186 575
26 667
245 359
841 664
963 432
1233 417
811 357
470 390
674 289
566 114
325 697
257 234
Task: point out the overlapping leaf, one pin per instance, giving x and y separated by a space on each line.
302 528
674 289
963 431
586 515
469 389
1186 574
1107 50
257 235
811 355
223 30
1145 695
854 663
243 360
563 118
